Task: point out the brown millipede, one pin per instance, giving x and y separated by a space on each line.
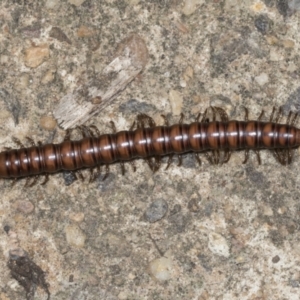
146 140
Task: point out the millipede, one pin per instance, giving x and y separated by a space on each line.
147 140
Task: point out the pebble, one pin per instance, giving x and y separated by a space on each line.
294 4
24 206
52 3
48 122
76 2
262 24
84 31
75 236
77 217
262 79
188 73
123 295
69 177
59 35
36 55
176 102
48 76
288 44
156 211
190 6
161 268
218 244
136 48
132 2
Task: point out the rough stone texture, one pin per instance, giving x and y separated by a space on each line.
213 54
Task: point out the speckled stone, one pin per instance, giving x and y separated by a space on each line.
84 31
189 6
156 211
24 206
48 122
75 236
176 101
262 79
218 244
76 2
49 76
36 55
161 268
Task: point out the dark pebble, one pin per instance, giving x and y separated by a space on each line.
156 211
262 24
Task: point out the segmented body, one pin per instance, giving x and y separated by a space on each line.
147 141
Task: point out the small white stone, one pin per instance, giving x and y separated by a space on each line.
75 236
262 79
51 3
275 56
218 244
161 268
76 2
123 295
190 6
176 101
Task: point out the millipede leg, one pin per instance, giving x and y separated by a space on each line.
79 173
179 160
295 119
258 156
98 172
246 114
14 181
113 126
181 118
95 128
106 172
198 158
132 126
198 118
150 163
133 165
34 181
272 114
18 142
81 130
214 115
279 115
170 159
166 122
122 168
204 119
30 140
222 113
87 132
92 177
26 182
45 180
67 135
209 158
281 156
157 163
289 155
227 156
288 119
246 156
261 115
